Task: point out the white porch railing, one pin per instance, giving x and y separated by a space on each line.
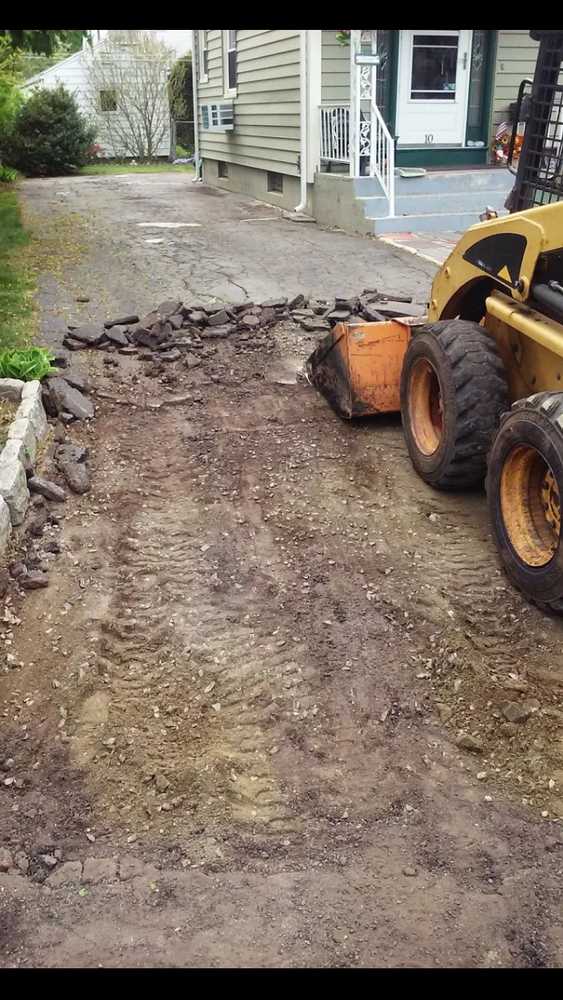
382 156
335 132
374 142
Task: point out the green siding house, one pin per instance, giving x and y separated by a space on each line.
331 124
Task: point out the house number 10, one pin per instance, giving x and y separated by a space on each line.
429 139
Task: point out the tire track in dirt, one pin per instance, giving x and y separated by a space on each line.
442 544
199 673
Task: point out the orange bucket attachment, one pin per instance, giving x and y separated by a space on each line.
357 367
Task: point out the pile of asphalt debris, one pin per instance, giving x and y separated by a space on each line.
174 327
173 331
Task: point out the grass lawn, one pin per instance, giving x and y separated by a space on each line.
142 168
16 283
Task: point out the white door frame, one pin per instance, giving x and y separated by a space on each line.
404 64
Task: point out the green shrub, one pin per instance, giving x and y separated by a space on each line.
7 175
27 364
48 136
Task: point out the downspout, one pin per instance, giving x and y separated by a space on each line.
195 57
304 87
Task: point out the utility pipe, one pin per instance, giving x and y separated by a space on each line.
195 58
304 88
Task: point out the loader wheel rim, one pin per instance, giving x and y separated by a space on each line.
425 407
530 505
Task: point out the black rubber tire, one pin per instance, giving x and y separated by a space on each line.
531 421
474 394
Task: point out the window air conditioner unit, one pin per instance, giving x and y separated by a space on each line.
218 117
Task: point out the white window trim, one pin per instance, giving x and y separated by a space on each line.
228 91
201 47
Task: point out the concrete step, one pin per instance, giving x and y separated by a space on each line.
434 222
443 201
456 180
447 181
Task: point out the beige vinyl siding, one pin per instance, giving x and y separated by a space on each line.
516 59
335 70
267 105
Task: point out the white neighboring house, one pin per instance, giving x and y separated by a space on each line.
73 74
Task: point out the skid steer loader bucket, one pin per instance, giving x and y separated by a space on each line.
357 367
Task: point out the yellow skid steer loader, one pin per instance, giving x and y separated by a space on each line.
479 381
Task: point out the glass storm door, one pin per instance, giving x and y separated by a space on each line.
432 87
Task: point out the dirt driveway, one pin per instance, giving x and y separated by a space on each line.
232 716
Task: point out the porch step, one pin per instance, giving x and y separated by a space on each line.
429 202
428 222
443 181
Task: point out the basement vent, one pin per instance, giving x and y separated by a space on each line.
217 117
275 182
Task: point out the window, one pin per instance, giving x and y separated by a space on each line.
108 100
230 61
434 67
275 183
203 56
222 168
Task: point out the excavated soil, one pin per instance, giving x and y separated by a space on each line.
252 630
262 638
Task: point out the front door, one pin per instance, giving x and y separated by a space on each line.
433 87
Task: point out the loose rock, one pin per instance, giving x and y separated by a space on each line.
219 318
5 859
338 316
168 308
467 742
67 399
68 874
197 316
34 580
117 336
297 301
274 303
173 355
217 332
76 475
11 389
49 860
122 321
71 453
60 358
71 459
315 325
90 335
250 321
514 711
46 488
73 344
